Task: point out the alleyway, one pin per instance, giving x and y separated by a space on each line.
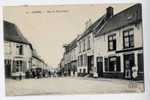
68 85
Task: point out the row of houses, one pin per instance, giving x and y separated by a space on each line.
110 47
20 56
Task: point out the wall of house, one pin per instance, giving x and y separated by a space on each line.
101 45
85 51
10 53
36 63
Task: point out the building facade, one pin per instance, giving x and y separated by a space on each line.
39 65
86 43
18 51
118 47
112 46
69 60
19 54
85 54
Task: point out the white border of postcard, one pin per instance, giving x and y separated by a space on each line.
124 96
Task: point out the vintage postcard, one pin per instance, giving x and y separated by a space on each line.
73 49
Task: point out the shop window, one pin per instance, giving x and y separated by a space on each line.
112 64
17 66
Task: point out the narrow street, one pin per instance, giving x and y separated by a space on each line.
70 85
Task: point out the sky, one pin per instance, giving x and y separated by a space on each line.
49 27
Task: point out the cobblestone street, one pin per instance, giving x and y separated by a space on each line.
70 85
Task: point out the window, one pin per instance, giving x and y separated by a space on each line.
78 60
19 49
128 38
85 59
81 60
17 66
111 42
112 64
80 70
84 45
7 48
88 43
79 47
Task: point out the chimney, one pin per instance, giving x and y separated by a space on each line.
109 12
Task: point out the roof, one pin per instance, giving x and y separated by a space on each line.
126 17
35 55
12 33
94 27
71 45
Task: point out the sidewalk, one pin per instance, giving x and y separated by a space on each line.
105 79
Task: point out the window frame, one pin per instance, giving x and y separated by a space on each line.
83 45
79 46
113 41
88 43
107 67
7 46
19 49
130 38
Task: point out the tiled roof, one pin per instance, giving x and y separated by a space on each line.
35 55
73 44
12 33
126 17
94 27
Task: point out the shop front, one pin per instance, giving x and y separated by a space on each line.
19 67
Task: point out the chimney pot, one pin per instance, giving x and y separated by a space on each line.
109 12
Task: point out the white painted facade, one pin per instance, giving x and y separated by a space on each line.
85 47
11 54
101 45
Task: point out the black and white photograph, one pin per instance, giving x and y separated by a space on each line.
73 49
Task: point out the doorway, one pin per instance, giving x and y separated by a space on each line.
100 66
7 68
90 63
128 64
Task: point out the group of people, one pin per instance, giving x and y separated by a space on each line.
37 73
